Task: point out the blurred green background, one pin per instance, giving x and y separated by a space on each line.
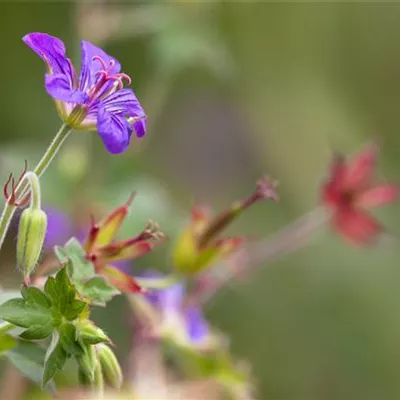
233 90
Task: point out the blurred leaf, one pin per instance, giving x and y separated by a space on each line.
99 291
73 255
55 358
90 286
7 342
28 358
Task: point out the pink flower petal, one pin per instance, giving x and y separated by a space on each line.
355 226
331 190
360 169
377 196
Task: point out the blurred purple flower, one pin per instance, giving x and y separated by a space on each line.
170 301
60 228
95 101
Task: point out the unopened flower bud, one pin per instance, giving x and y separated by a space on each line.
87 365
31 234
98 381
110 366
89 333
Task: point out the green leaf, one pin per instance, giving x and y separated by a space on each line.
7 342
50 287
62 294
28 358
55 358
73 255
37 332
24 313
76 308
68 340
82 275
35 295
99 291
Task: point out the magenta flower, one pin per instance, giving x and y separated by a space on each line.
350 192
96 100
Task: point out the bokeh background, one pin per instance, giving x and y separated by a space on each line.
233 90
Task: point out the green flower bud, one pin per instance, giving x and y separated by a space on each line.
110 366
87 365
89 333
98 382
31 234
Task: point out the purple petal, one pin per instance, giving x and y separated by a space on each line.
140 126
122 102
196 325
169 299
90 67
123 265
113 130
58 87
59 228
52 51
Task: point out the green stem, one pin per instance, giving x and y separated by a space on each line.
52 150
5 219
163 282
5 327
22 188
33 180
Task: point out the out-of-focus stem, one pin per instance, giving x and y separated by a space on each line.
290 238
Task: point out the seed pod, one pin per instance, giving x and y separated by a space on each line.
89 333
31 234
110 366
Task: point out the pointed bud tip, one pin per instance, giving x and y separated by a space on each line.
266 188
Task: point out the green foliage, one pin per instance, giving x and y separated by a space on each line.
93 288
41 312
7 342
54 311
55 358
216 363
28 358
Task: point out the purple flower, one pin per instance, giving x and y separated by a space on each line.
96 100
59 228
170 303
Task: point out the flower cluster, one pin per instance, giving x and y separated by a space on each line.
92 265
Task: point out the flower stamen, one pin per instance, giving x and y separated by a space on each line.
105 75
11 198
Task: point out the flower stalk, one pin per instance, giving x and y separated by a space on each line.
287 240
22 188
